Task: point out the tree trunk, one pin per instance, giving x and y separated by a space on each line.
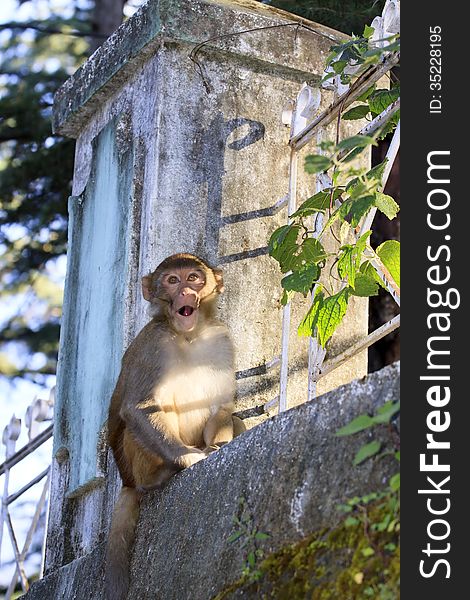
107 16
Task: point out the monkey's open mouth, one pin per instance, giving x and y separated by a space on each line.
186 311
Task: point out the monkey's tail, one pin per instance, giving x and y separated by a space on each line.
120 541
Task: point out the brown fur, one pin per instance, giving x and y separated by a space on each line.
173 400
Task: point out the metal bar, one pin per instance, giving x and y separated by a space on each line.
359 87
391 155
4 505
25 488
10 443
14 543
381 119
316 354
373 337
383 273
272 363
286 313
279 205
376 123
27 449
271 404
29 536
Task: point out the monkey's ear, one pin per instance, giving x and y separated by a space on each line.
219 280
146 286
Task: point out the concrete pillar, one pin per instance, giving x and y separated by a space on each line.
174 155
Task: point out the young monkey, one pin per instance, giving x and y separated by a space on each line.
173 400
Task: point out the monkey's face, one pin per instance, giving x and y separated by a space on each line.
184 288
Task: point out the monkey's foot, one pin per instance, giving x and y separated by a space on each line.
211 448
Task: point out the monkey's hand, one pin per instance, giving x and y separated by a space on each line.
191 458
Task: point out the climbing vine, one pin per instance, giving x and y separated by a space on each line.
352 192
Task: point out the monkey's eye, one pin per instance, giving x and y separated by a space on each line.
193 277
172 279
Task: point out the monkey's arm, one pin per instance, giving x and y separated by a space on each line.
155 430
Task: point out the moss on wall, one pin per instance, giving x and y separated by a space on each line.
357 559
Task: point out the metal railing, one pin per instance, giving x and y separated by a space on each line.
308 127
37 412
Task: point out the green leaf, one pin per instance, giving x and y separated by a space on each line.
351 155
235 536
337 214
377 52
366 94
397 455
351 522
283 245
389 254
328 76
356 141
377 172
338 65
368 551
309 322
251 559
294 257
365 286
368 31
360 188
286 233
386 412
357 112
311 251
358 424
369 497
362 241
395 482
331 314
366 451
320 202
261 536
374 180
301 281
317 163
350 259
380 99
357 209
347 264
287 297
382 526
354 501
368 271
393 525
326 145
387 205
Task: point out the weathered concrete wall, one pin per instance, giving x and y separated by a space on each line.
175 167
97 263
292 472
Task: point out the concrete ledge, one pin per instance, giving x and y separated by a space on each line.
291 472
161 21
